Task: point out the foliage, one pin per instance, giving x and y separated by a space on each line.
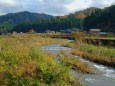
102 19
75 63
98 54
9 21
84 20
31 31
78 35
5 27
75 20
55 24
20 17
22 63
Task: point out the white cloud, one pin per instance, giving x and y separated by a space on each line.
102 3
108 2
78 5
9 2
54 7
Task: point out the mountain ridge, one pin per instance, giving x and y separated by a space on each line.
104 19
20 17
85 19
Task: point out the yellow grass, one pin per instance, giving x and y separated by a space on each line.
76 64
22 63
98 54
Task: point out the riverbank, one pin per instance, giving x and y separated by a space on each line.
108 42
104 76
99 54
76 64
22 62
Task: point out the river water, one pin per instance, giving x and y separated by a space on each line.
104 76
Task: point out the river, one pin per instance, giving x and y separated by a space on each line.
104 76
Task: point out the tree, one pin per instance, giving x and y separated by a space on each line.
31 31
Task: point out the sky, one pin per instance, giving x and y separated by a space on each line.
52 7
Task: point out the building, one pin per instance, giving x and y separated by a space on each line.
103 34
94 32
62 31
76 30
14 33
67 31
51 32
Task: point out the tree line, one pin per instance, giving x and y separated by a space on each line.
103 19
55 24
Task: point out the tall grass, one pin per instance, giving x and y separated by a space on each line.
75 63
100 54
22 63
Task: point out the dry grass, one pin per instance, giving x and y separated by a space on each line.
74 63
22 63
98 54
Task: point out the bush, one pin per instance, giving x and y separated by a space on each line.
23 63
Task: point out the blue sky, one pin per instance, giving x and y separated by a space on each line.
52 7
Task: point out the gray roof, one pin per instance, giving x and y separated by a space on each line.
95 30
103 33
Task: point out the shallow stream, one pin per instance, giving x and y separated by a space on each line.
105 76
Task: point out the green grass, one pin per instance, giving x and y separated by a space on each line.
69 44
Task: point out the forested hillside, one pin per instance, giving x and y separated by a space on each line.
103 19
55 24
8 21
19 17
74 20
84 20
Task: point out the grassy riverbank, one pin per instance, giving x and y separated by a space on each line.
98 54
22 63
108 42
74 63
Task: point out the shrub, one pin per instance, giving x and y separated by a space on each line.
23 63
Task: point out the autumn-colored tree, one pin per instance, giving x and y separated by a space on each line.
31 31
78 35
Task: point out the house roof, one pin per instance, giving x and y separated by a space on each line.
95 30
103 33
62 30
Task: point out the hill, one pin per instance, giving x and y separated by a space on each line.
74 20
13 19
84 19
87 12
81 14
20 17
103 19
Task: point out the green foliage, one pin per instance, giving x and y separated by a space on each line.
6 26
55 24
84 20
102 19
9 21
20 17
75 20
